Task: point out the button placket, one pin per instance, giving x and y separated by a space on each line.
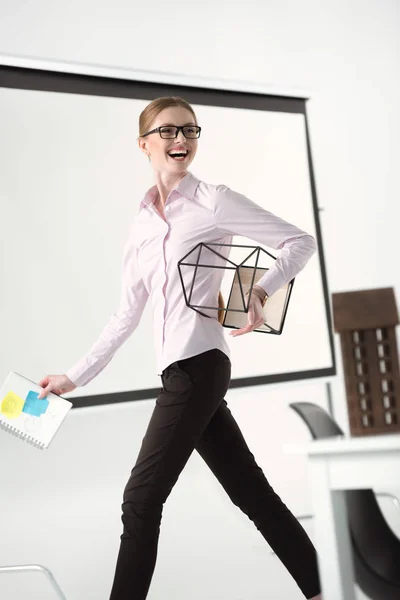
165 282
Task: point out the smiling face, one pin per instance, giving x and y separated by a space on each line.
170 156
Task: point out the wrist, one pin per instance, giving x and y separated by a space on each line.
260 293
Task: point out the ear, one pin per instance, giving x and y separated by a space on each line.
142 143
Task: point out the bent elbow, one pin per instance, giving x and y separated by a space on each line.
312 244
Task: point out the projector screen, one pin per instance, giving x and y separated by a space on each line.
72 178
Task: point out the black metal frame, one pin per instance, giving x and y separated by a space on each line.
255 250
93 85
178 129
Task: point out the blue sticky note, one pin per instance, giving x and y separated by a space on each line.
35 406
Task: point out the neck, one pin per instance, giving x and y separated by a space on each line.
166 182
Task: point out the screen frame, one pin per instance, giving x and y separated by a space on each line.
86 80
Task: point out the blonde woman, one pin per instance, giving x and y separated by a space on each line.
190 412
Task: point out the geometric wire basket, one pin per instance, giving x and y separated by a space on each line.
238 277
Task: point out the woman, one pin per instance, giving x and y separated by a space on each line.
192 354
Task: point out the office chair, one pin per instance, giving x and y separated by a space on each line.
376 549
35 568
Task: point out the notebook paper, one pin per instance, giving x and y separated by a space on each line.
21 412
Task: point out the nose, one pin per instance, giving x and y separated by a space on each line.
180 137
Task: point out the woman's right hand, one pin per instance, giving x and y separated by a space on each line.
57 384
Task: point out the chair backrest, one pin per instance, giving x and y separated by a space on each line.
319 422
372 538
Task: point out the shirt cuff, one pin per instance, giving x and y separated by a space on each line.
270 282
78 374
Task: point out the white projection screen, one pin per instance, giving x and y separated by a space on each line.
71 180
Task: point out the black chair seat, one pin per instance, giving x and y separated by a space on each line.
376 549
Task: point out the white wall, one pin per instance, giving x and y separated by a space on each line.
347 53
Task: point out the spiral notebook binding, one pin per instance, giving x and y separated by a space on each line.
24 436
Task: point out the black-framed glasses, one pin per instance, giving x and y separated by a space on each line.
170 132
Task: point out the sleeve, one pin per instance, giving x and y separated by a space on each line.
121 324
235 214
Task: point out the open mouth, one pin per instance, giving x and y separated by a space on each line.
178 156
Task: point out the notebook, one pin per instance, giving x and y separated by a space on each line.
274 309
21 412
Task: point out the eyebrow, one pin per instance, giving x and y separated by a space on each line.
173 125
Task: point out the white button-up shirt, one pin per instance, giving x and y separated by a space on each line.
194 212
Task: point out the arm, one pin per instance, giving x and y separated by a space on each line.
237 215
121 324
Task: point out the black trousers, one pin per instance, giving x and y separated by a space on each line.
191 413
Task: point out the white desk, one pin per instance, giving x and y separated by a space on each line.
337 464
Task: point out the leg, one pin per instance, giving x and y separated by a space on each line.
192 391
225 451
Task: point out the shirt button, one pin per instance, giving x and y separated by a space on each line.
167 207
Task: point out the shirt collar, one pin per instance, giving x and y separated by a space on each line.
186 187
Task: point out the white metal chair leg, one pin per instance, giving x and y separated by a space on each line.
392 497
32 568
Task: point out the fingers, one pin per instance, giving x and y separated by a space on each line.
45 391
43 383
249 327
246 329
255 319
241 331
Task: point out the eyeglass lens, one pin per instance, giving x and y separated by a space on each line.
189 131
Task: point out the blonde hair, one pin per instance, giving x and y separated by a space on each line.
146 118
152 110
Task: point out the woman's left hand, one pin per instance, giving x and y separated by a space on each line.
255 317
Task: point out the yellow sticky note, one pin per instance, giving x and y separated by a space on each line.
12 405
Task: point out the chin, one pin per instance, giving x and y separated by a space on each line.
180 168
